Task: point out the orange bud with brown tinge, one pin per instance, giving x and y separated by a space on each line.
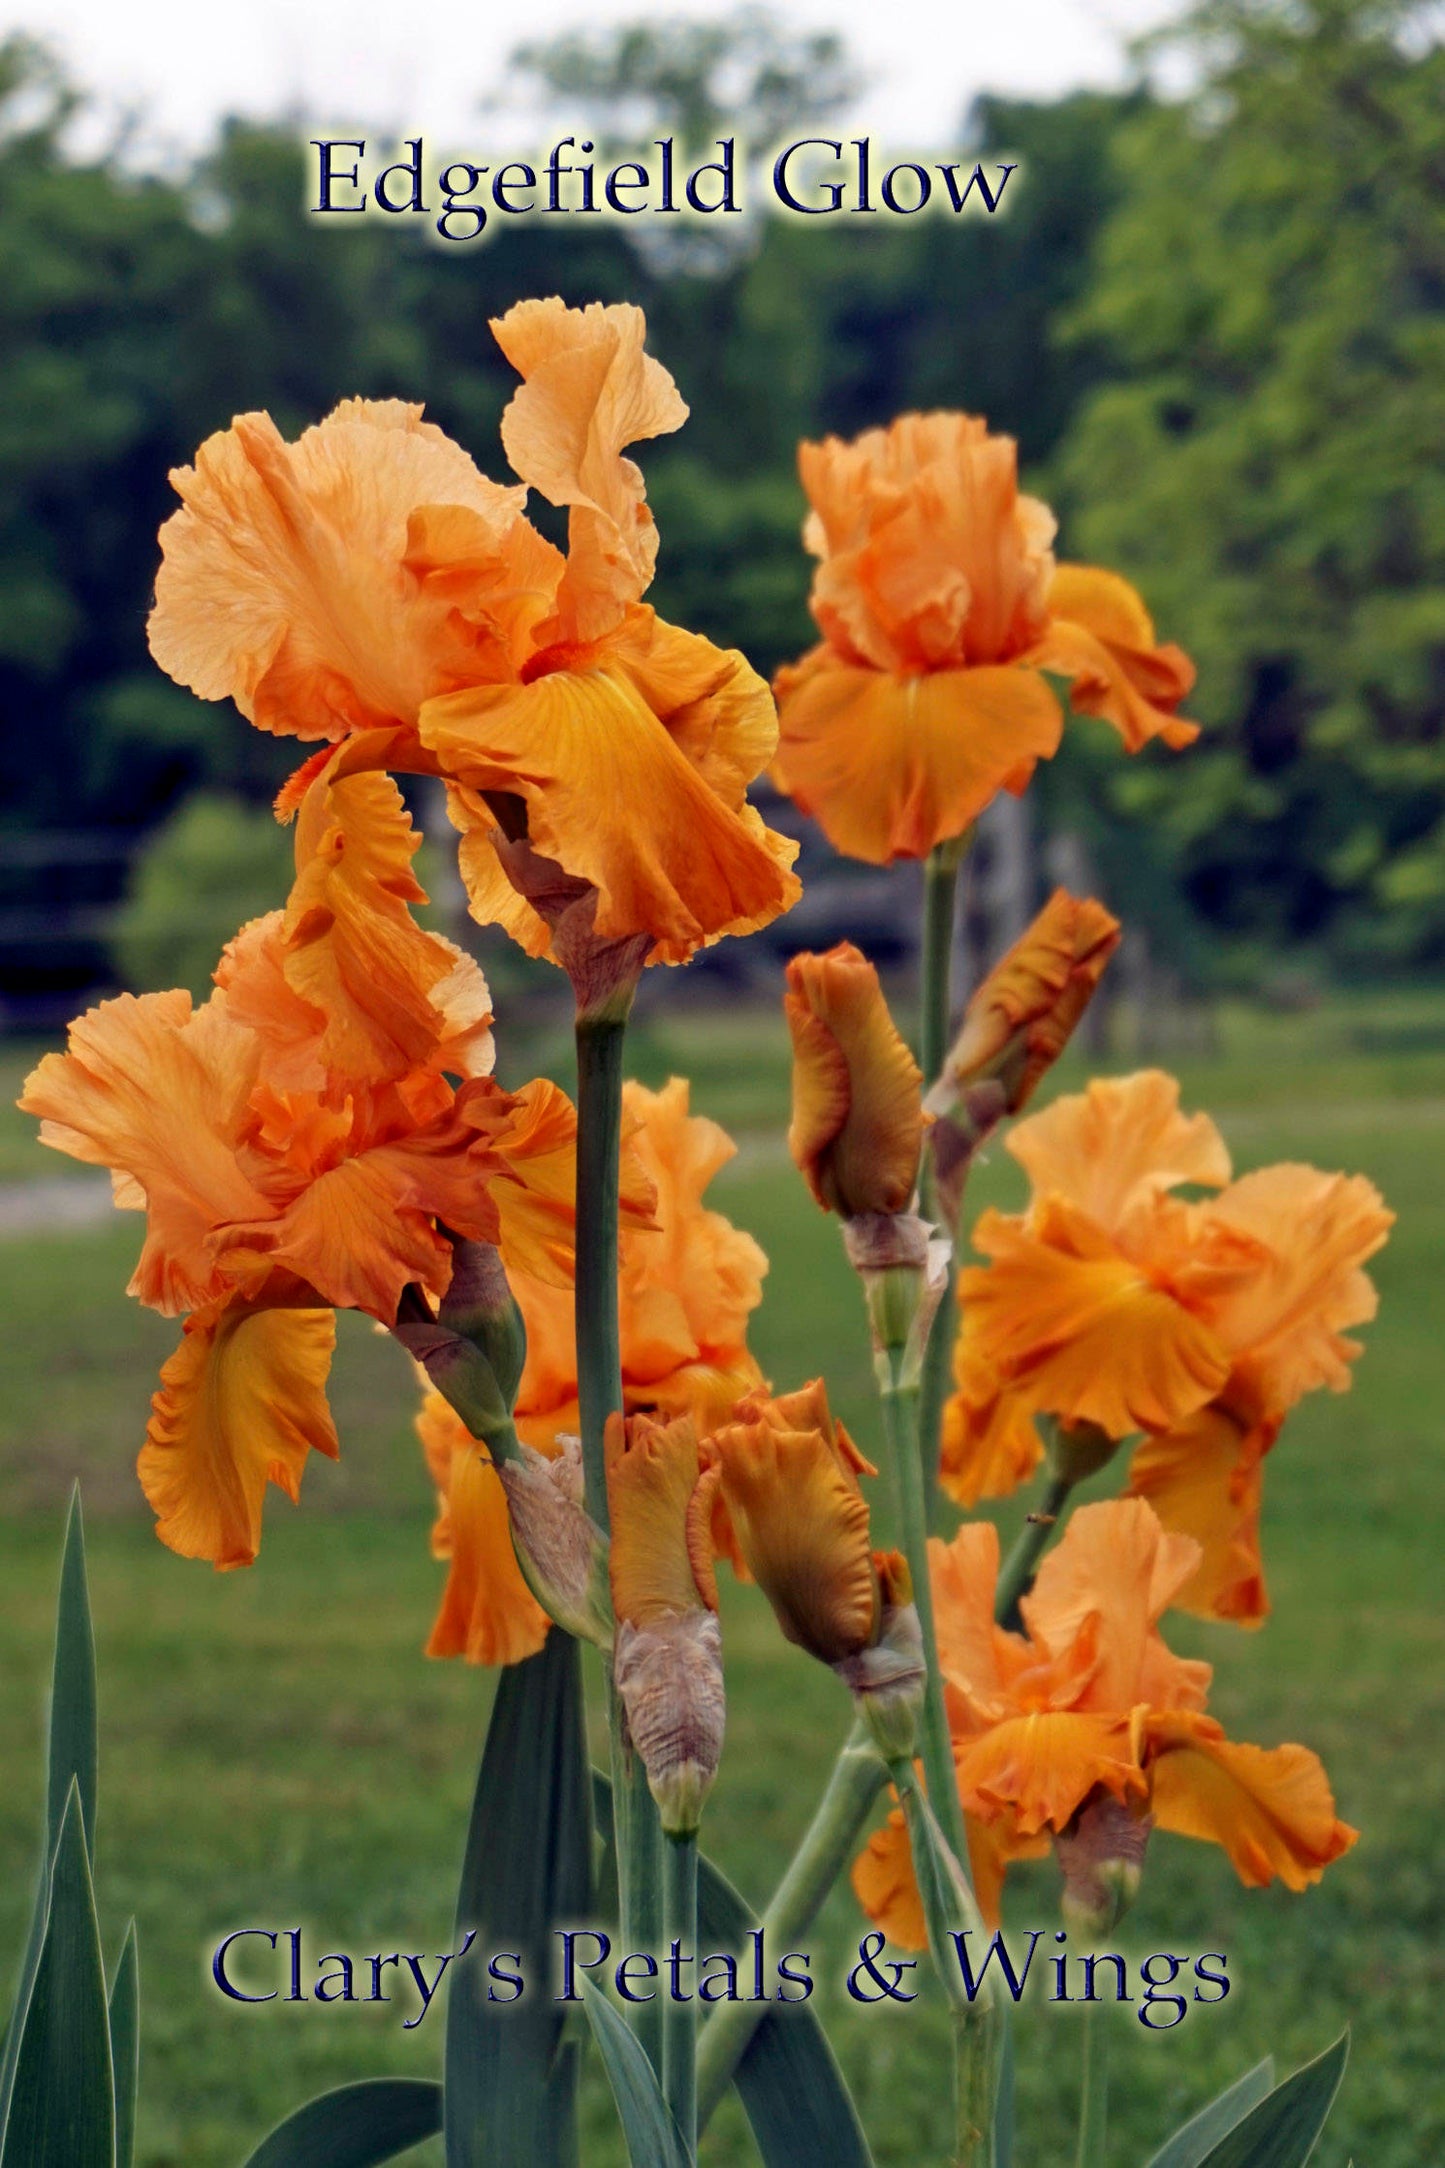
858 1119
1017 1023
668 1650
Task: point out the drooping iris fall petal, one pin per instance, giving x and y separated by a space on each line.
858 1117
1270 1809
889 766
1102 638
241 1404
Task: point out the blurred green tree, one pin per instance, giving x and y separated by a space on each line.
1270 288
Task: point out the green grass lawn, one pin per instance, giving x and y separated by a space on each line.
275 1750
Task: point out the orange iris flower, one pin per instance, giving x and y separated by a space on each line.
1113 1301
858 1118
942 612
369 587
1090 1700
296 1148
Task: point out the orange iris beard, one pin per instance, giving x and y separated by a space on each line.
368 585
1112 1301
941 607
1090 1699
296 1148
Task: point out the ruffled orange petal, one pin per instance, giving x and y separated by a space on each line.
976 1656
931 556
613 799
1270 1809
1078 1330
156 1092
487 1612
1118 1144
363 1229
689 1286
589 390
241 1403
1114 1563
1101 638
990 1443
1205 1479
284 584
857 1125
801 1524
1286 1321
890 765
885 1886
391 996
1040 1768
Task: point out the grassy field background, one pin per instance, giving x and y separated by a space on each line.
277 1752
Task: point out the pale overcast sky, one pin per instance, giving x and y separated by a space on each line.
418 67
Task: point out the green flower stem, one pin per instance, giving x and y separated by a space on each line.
642 1893
599 1391
599 1357
900 1423
949 1908
1017 1570
857 1778
1094 2090
940 910
679 2019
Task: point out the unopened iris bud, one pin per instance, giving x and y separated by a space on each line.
858 1121
887 1678
560 1549
667 1657
473 1346
1101 1854
1017 1023
788 1476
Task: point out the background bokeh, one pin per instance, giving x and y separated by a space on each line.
1213 315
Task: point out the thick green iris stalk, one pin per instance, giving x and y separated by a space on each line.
599 1392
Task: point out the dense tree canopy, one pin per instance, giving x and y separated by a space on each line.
1270 292
1214 324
